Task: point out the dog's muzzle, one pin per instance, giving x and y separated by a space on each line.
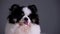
26 21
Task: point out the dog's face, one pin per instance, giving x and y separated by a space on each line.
23 14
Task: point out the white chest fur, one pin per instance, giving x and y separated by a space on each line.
13 29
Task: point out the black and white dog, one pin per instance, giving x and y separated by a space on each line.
23 20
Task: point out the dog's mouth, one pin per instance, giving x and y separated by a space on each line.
24 23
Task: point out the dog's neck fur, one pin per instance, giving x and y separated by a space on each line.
27 29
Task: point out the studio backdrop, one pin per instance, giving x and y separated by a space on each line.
48 11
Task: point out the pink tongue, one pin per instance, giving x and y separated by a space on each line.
26 22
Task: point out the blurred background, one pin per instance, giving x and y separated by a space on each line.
48 11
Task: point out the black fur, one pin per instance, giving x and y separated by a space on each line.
33 8
33 15
16 13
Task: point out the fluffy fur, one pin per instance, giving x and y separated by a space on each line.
23 20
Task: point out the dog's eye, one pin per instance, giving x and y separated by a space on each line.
33 20
22 14
15 20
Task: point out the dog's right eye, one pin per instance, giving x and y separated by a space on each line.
15 20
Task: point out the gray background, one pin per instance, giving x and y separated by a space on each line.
48 11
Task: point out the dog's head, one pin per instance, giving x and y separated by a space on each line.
22 14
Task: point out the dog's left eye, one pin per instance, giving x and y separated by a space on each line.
22 14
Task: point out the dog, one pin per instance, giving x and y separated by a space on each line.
23 20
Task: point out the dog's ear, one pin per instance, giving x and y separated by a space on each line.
14 7
32 8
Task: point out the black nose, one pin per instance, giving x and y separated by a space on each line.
25 19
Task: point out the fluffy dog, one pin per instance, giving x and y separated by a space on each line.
23 20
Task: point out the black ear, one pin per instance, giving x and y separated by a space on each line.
33 8
14 7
